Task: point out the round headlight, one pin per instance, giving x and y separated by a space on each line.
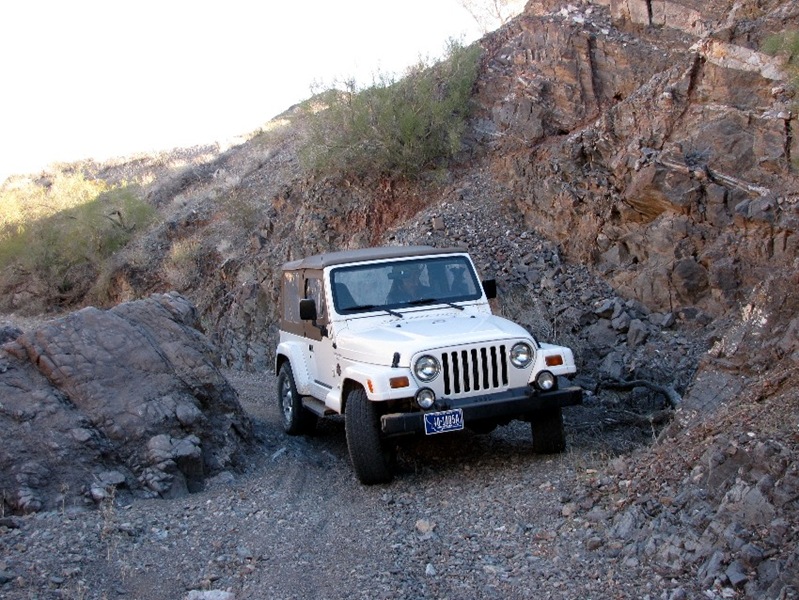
427 368
425 398
545 380
521 355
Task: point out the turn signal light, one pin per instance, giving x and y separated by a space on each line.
554 360
399 382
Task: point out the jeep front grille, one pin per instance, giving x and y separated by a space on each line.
474 369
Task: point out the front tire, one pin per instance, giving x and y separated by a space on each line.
297 420
372 456
549 437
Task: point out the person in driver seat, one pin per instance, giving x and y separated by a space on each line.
406 284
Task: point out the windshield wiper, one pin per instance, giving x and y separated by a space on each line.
452 304
393 313
423 301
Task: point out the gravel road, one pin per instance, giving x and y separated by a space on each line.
468 516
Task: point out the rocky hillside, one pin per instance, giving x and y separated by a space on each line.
629 178
650 142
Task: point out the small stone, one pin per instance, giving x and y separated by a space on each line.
98 493
424 526
569 509
593 543
210 595
111 478
622 322
636 333
605 309
751 555
736 574
678 594
430 570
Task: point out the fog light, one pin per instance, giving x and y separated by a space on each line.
425 398
545 380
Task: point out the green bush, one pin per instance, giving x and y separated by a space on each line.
26 203
396 128
182 264
60 235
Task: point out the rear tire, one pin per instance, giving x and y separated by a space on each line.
549 436
372 457
297 420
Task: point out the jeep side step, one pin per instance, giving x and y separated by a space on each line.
316 406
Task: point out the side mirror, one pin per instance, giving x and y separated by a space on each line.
490 288
308 309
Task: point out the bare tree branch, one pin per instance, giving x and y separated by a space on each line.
675 400
490 14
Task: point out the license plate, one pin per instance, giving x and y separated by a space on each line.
441 422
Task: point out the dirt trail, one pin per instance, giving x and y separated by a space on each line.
468 516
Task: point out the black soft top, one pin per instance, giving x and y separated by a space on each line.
320 261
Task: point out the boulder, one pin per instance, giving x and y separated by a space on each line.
126 400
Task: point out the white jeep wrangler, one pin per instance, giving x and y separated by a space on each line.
401 340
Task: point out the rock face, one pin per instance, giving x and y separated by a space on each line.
653 140
127 400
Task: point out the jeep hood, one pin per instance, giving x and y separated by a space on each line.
377 345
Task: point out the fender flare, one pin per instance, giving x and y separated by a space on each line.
292 353
379 390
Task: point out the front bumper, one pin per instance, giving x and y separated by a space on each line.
520 403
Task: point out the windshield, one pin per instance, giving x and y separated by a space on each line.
399 284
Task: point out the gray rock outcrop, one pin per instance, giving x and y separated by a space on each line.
126 400
653 141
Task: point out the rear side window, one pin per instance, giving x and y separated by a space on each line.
291 295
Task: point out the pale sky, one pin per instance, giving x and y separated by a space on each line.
104 78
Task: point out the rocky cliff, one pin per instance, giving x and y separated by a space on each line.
652 140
